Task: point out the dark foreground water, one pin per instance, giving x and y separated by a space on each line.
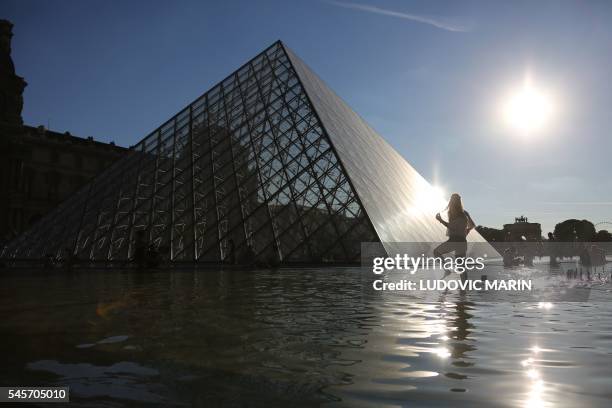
295 337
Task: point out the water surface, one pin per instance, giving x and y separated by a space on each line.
301 337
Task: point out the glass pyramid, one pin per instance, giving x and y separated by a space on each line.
269 164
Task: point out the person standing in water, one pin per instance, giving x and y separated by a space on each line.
458 226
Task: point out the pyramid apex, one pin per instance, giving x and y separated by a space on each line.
278 43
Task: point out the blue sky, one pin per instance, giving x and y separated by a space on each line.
428 76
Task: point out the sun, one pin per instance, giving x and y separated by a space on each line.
528 110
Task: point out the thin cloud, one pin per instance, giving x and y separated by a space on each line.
588 203
438 23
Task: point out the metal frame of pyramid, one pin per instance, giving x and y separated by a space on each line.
268 164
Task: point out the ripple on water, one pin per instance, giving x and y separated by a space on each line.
108 340
124 380
553 363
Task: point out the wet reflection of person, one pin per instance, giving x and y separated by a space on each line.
463 327
458 226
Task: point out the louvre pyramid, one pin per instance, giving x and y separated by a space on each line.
270 163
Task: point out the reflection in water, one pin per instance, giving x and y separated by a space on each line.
459 344
535 383
545 305
536 387
303 337
461 326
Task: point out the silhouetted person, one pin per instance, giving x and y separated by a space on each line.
49 262
458 226
274 260
230 258
585 256
248 257
509 257
598 256
152 257
528 252
552 250
69 259
140 249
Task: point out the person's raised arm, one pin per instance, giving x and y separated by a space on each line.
439 218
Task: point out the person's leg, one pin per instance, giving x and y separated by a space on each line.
444 248
460 252
464 276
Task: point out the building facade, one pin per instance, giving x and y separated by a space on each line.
39 168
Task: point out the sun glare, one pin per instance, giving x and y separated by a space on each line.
429 200
433 198
528 109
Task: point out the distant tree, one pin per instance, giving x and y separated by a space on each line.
603 236
570 230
